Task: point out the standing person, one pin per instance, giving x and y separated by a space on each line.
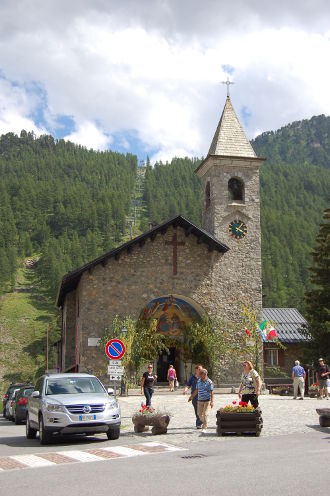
204 394
147 384
299 378
250 386
192 383
322 374
171 377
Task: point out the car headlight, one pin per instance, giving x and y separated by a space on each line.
54 408
112 404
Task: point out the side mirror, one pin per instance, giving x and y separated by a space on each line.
110 391
35 394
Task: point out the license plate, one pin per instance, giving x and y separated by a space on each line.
87 417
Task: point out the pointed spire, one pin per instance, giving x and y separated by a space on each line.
229 138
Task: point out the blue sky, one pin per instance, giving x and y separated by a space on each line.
147 80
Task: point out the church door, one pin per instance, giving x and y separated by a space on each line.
164 361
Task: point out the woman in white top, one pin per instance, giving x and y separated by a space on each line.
249 389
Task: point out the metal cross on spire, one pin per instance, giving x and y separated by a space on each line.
227 83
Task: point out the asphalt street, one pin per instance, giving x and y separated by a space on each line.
294 461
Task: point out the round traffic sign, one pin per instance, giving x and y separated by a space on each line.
115 349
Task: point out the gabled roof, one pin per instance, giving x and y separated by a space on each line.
70 281
229 138
289 324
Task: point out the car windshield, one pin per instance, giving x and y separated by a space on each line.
74 385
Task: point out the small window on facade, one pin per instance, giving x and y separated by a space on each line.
272 358
207 195
235 189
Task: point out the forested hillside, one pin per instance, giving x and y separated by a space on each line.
294 187
59 202
64 205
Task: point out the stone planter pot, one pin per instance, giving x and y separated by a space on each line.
239 423
324 416
312 394
159 423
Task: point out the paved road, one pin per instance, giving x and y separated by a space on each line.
292 456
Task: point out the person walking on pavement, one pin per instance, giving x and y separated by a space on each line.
299 378
204 393
147 384
171 377
322 374
192 383
250 386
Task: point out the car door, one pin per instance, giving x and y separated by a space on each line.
33 405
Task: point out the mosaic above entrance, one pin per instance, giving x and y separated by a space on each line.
173 314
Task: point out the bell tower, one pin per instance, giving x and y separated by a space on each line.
231 210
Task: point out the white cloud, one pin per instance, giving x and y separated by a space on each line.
90 136
154 71
16 105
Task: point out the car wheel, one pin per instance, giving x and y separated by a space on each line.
44 436
30 433
17 420
113 433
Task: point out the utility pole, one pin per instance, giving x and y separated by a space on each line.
47 347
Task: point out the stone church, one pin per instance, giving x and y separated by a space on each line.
176 271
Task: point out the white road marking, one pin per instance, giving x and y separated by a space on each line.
32 461
125 451
82 456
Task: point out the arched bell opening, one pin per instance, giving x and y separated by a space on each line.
235 190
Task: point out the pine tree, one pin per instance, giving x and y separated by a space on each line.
318 299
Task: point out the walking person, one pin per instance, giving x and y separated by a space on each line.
299 378
147 384
192 383
322 374
204 393
250 386
171 377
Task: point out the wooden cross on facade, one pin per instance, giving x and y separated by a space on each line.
175 243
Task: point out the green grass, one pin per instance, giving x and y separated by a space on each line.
24 317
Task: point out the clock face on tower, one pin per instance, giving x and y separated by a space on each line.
237 229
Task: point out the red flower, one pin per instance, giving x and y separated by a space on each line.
240 403
234 402
247 331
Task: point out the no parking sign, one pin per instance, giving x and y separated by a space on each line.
115 349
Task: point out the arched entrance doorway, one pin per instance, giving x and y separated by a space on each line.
173 313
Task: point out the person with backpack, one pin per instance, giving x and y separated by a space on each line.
204 392
250 386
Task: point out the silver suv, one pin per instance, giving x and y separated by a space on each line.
71 404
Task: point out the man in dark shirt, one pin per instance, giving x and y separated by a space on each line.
192 383
322 374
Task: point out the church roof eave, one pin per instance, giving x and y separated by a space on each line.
70 281
236 157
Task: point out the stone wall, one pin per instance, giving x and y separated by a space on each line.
69 331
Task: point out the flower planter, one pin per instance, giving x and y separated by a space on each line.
159 423
312 394
239 423
324 416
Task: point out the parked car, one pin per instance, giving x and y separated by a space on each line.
10 404
20 405
71 404
9 392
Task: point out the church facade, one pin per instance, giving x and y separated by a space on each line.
177 271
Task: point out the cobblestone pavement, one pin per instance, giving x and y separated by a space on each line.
281 416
